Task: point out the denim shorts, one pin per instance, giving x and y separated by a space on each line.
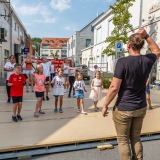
79 94
28 71
147 90
65 75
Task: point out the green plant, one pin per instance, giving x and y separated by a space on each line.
106 82
121 22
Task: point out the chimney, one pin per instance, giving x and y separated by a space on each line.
97 14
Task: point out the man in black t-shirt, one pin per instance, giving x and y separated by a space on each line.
129 81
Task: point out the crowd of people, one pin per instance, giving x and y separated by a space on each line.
68 78
130 82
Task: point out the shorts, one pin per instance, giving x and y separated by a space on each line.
17 99
29 71
79 94
39 94
147 90
65 75
47 79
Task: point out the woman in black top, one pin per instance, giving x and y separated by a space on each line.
129 81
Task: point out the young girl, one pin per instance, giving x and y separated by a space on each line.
58 89
96 92
79 87
39 89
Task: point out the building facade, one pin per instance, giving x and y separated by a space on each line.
80 40
58 46
15 37
146 15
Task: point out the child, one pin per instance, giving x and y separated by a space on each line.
148 94
58 89
79 87
96 92
16 81
39 89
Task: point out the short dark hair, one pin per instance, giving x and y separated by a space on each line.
17 65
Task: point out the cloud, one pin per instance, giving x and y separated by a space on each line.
46 20
60 5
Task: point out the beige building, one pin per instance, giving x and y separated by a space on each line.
58 46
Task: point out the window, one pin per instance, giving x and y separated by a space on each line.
18 32
46 41
110 27
99 34
61 41
88 42
51 41
44 47
15 26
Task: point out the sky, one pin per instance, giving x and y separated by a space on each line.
58 18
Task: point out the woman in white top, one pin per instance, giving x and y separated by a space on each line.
52 74
72 72
9 68
65 67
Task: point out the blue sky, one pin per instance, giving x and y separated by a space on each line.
58 18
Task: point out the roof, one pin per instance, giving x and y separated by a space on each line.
54 42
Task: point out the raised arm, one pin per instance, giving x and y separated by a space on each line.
153 46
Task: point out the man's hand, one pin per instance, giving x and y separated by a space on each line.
142 31
105 111
85 90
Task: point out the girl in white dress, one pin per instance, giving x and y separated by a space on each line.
58 89
96 92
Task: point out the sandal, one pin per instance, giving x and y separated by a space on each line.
36 114
41 112
95 109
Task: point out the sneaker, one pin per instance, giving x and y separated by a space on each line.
69 96
32 90
83 112
14 118
19 117
36 114
47 98
27 91
60 110
150 107
64 90
8 100
43 99
78 111
55 110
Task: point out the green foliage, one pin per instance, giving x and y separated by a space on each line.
36 42
106 82
56 54
121 21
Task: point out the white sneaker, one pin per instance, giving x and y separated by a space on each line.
64 90
83 112
78 111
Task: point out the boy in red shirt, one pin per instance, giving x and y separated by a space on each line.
16 81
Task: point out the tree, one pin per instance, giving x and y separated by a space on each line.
121 21
36 42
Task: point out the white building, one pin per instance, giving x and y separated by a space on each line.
92 55
14 37
146 15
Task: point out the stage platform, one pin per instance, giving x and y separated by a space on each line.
54 129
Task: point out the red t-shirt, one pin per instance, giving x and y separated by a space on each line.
17 88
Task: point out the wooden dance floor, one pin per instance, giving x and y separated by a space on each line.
54 129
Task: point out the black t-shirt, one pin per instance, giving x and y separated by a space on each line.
134 72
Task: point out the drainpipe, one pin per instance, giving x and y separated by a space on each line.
140 15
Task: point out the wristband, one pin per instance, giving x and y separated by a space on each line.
147 35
